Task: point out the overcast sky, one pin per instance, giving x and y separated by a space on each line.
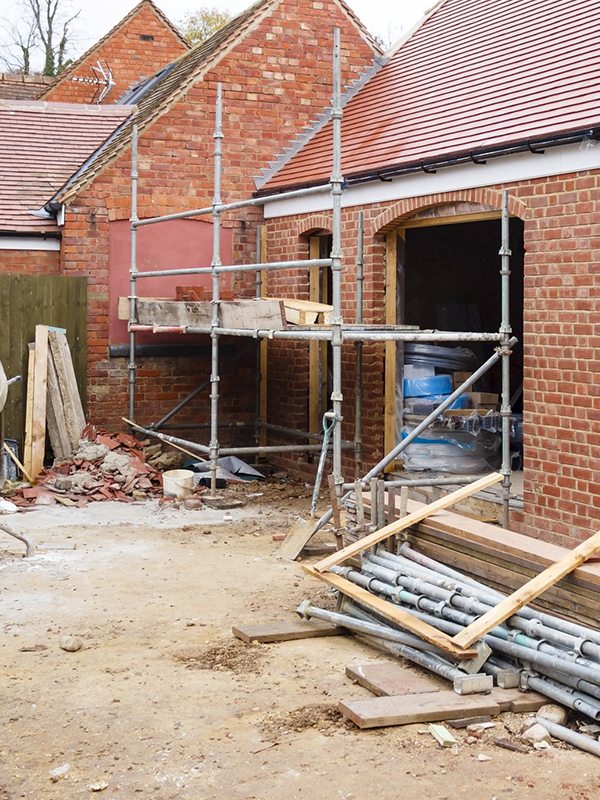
388 18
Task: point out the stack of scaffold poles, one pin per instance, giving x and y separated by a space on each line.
531 649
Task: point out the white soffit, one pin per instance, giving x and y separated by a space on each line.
502 170
28 243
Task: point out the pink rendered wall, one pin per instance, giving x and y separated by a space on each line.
179 244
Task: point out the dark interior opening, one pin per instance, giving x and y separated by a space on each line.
452 282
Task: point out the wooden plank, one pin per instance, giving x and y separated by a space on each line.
377 712
306 312
390 678
57 428
527 593
503 541
392 612
294 542
399 525
254 314
389 417
69 391
40 372
27 447
286 630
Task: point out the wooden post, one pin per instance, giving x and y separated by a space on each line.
40 377
29 410
389 436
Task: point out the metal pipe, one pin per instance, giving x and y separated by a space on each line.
566 697
336 263
257 348
571 737
298 433
534 629
426 660
500 633
274 448
506 331
564 625
29 545
457 481
216 263
10 381
133 271
220 270
198 390
570 680
174 440
358 347
307 610
254 201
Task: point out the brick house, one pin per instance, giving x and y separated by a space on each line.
139 45
274 63
478 98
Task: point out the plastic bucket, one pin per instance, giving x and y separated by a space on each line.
178 483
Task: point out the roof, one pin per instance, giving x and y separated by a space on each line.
41 145
475 77
15 86
158 93
68 73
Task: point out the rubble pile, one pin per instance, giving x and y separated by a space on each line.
106 466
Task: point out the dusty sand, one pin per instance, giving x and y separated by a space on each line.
162 701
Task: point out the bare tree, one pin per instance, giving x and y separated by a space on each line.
21 42
43 26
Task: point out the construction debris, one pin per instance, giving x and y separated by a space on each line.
105 467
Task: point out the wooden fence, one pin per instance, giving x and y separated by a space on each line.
27 301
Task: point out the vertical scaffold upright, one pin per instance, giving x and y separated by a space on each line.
337 333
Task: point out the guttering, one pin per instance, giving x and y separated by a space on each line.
537 145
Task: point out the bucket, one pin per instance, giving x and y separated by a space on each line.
178 483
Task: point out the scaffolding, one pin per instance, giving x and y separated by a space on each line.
337 333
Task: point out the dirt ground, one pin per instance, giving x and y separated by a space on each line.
163 701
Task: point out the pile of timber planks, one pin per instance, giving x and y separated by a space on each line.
53 403
501 558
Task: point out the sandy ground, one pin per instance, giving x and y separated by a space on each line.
162 701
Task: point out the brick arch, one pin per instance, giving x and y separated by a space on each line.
316 222
403 209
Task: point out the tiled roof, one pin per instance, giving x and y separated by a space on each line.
163 89
476 76
14 86
75 65
41 146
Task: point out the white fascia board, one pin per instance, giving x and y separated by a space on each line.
28 243
500 170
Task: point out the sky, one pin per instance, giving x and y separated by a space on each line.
387 18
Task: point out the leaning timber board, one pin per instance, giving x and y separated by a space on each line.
378 712
286 630
263 314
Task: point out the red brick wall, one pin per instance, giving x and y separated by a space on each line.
274 83
30 262
560 343
130 59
